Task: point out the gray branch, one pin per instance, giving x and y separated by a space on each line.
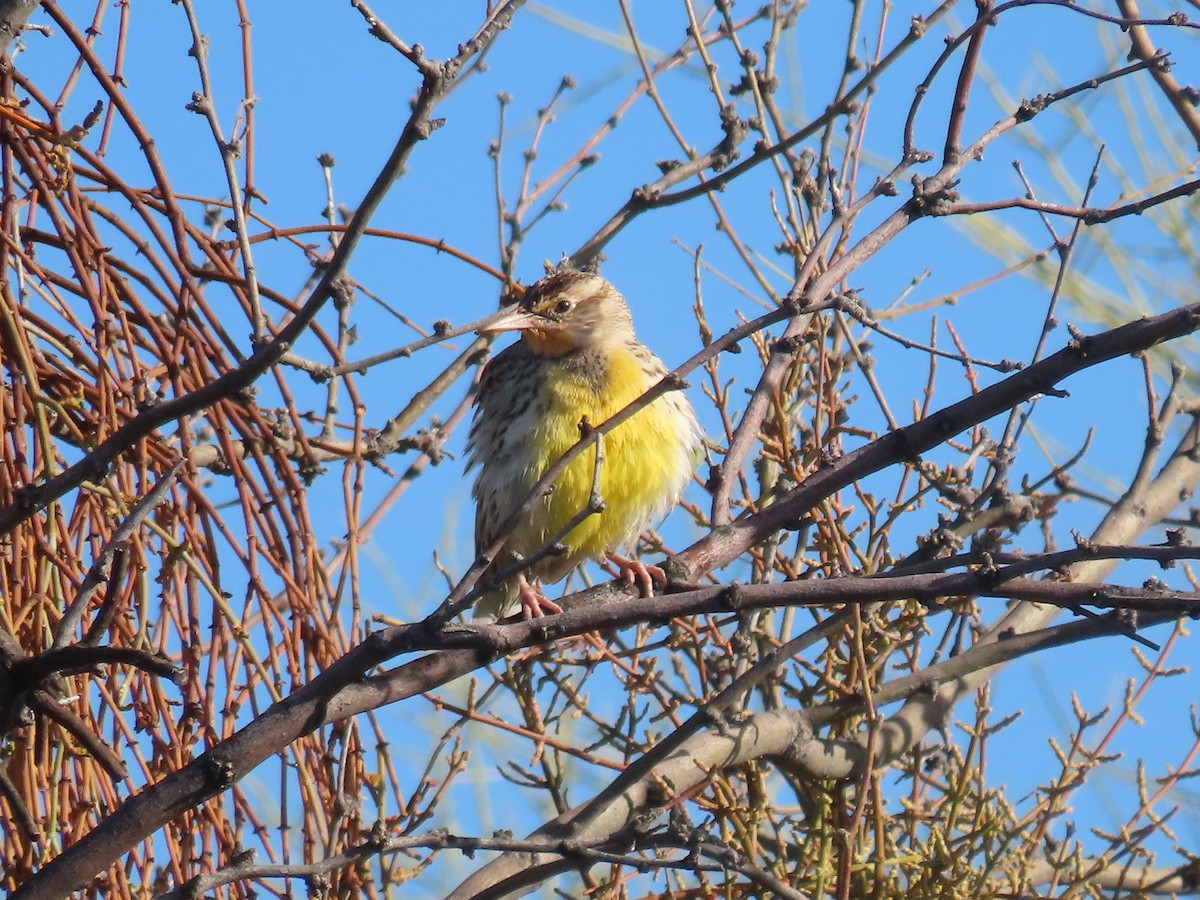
13 16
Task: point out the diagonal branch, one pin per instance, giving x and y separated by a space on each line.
211 774
435 83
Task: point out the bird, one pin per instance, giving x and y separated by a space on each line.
578 363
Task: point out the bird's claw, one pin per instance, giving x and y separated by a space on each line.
635 572
534 604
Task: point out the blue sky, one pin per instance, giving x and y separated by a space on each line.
323 86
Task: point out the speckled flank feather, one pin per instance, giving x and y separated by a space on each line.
527 415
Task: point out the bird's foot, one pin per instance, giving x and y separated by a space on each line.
534 604
635 572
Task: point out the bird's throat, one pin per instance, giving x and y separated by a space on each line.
549 343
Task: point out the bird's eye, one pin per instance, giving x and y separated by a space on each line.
562 307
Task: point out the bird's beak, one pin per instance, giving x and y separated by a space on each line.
511 318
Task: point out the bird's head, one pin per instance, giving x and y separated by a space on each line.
567 311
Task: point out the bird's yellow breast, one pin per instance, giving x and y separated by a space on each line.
643 469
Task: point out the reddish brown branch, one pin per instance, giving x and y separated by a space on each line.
416 129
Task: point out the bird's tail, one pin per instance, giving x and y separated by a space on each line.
496 603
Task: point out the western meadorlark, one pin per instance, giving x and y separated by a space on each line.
578 363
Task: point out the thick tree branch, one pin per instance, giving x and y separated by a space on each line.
13 16
139 818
